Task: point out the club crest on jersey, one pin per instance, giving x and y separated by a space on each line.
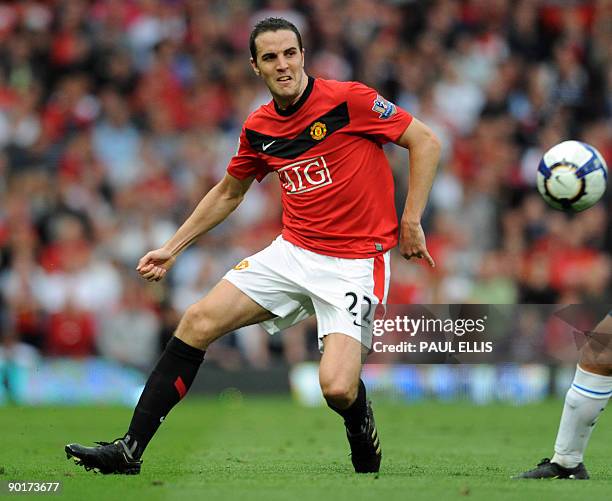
384 108
242 265
305 175
318 130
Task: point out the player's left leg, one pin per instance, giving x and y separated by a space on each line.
584 402
345 393
224 309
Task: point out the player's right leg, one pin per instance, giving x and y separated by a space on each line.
345 299
345 394
584 402
224 309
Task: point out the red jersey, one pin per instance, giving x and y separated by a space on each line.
338 193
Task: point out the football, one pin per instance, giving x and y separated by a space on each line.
572 176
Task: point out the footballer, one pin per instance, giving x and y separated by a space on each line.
324 140
585 400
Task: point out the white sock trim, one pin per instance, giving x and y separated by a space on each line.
592 385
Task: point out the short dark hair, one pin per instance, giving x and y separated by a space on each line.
271 24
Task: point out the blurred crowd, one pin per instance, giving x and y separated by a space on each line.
117 116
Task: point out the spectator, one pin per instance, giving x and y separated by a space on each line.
134 323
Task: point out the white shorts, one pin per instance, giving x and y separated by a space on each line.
294 283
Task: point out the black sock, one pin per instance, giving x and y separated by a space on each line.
354 415
166 386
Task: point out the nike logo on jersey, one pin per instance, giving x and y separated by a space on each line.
314 133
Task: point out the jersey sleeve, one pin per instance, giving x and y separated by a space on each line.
372 115
246 162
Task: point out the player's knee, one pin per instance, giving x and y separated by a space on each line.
339 393
604 369
197 327
599 368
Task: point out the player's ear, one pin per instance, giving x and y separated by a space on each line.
254 66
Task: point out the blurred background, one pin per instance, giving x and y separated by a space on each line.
116 117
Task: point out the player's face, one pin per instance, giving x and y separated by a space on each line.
281 65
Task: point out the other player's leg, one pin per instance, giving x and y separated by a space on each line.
345 393
584 402
223 310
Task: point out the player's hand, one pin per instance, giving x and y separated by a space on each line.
154 265
412 243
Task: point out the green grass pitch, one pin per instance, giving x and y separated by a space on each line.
272 449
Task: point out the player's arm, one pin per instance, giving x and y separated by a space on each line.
216 205
424 148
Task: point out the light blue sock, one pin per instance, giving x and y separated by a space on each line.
584 402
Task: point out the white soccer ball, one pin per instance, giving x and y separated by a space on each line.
572 176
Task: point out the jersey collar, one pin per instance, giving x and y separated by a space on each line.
290 110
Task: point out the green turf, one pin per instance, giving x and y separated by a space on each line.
273 449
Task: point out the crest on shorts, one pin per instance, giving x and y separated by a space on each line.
318 130
242 265
385 108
